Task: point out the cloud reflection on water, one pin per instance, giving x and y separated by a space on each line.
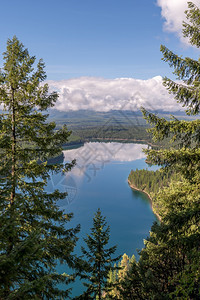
93 156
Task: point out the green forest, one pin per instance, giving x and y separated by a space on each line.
151 183
36 235
112 133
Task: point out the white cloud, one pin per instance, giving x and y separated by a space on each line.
173 11
101 94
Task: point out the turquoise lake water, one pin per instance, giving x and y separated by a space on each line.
99 180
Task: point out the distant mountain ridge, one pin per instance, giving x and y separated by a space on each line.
113 117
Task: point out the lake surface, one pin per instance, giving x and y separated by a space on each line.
99 180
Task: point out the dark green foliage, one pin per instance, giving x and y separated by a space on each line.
152 183
104 133
99 258
131 286
191 30
149 181
126 280
34 233
186 69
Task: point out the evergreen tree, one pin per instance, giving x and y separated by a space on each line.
124 266
99 258
131 285
33 234
122 287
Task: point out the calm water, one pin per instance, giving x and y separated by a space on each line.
99 180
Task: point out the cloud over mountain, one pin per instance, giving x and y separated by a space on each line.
101 94
173 13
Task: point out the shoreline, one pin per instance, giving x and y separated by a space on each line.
151 201
126 140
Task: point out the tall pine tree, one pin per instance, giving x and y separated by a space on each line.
34 232
99 258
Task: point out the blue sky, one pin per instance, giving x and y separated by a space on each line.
92 38
107 38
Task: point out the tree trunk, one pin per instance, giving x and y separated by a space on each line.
12 197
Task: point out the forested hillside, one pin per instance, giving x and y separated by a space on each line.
123 126
151 183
